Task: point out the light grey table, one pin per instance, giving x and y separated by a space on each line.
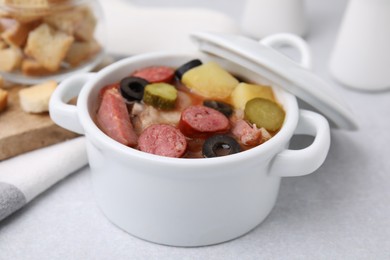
342 211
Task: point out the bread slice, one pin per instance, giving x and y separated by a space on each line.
3 99
35 99
10 59
48 46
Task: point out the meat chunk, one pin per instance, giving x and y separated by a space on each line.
201 121
155 74
114 120
246 134
164 140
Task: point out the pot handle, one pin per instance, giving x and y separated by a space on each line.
280 39
62 113
309 159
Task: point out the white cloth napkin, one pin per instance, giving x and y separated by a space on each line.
24 177
131 30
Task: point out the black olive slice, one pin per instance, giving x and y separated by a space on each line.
222 107
132 88
186 67
220 145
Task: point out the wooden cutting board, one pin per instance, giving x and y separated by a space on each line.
22 132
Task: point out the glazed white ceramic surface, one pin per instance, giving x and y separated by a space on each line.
361 56
262 18
296 77
186 202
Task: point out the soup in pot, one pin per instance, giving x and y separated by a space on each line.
199 110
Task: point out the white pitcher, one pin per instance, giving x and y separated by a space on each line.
264 17
361 55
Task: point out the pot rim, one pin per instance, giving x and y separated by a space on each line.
98 137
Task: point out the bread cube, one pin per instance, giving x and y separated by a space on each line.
27 3
86 30
35 99
48 46
79 22
66 21
3 99
81 51
27 10
17 33
10 59
3 45
31 67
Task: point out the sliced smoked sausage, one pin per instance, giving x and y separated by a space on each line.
155 74
164 140
201 121
113 118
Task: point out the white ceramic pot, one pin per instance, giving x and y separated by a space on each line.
186 202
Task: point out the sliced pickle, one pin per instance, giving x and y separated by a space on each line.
160 95
264 113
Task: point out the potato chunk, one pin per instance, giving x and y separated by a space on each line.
210 80
245 92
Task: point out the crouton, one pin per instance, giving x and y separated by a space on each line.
31 67
81 51
48 46
16 35
10 58
3 99
35 99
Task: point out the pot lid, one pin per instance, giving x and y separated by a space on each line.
281 70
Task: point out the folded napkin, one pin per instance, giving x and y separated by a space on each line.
24 177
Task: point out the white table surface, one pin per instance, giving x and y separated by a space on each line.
342 211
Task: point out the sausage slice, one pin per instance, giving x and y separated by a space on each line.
201 121
113 118
164 140
156 74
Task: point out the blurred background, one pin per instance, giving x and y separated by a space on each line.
233 8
